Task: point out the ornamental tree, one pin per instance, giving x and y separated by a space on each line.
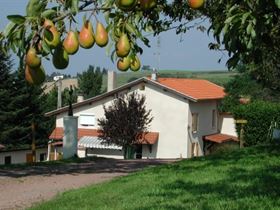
125 121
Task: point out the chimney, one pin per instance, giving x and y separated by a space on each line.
80 98
111 83
154 75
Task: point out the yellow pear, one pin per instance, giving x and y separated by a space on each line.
60 58
135 63
147 4
101 35
123 63
123 46
86 36
32 59
34 76
71 43
195 4
51 35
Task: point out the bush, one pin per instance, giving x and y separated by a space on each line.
261 117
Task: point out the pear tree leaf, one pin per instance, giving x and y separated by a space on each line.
277 2
9 29
17 19
49 13
35 7
75 6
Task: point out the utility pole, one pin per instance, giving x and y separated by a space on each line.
58 80
33 145
158 52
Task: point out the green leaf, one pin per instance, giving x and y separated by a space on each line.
35 7
130 28
17 19
277 2
9 29
48 13
75 6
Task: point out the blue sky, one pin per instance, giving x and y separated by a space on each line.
190 54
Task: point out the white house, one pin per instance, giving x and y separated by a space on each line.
185 122
17 156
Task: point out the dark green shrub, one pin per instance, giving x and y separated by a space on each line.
261 117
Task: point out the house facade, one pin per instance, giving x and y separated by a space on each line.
184 112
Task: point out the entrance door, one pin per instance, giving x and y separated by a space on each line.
8 160
29 158
138 151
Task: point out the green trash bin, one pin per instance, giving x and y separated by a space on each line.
129 152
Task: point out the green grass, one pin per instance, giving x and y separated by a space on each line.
242 179
217 77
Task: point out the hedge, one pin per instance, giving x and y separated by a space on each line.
261 117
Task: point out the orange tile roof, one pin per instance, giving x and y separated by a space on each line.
197 89
147 138
220 138
58 133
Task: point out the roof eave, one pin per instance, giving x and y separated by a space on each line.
96 98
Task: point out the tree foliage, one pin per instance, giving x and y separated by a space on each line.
125 120
90 82
248 30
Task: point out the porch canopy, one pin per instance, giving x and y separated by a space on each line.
220 138
97 143
143 138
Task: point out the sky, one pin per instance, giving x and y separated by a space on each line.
176 52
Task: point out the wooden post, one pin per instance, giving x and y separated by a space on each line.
33 145
242 122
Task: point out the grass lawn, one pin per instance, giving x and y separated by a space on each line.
243 179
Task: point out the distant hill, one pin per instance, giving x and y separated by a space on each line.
217 77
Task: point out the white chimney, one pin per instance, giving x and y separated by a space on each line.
80 98
154 75
111 83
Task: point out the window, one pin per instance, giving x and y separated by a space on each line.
43 157
214 118
194 122
87 119
8 160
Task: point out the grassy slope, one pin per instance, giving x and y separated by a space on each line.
244 179
218 77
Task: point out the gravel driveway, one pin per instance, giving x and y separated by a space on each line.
20 188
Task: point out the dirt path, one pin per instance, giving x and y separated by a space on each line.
20 188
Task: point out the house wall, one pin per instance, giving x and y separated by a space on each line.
204 110
227 124
20 156
170 114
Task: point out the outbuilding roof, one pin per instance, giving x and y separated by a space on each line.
220 138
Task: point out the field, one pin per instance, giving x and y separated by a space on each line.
242 179
218 77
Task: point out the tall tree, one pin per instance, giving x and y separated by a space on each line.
90 82
6 84
125 120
